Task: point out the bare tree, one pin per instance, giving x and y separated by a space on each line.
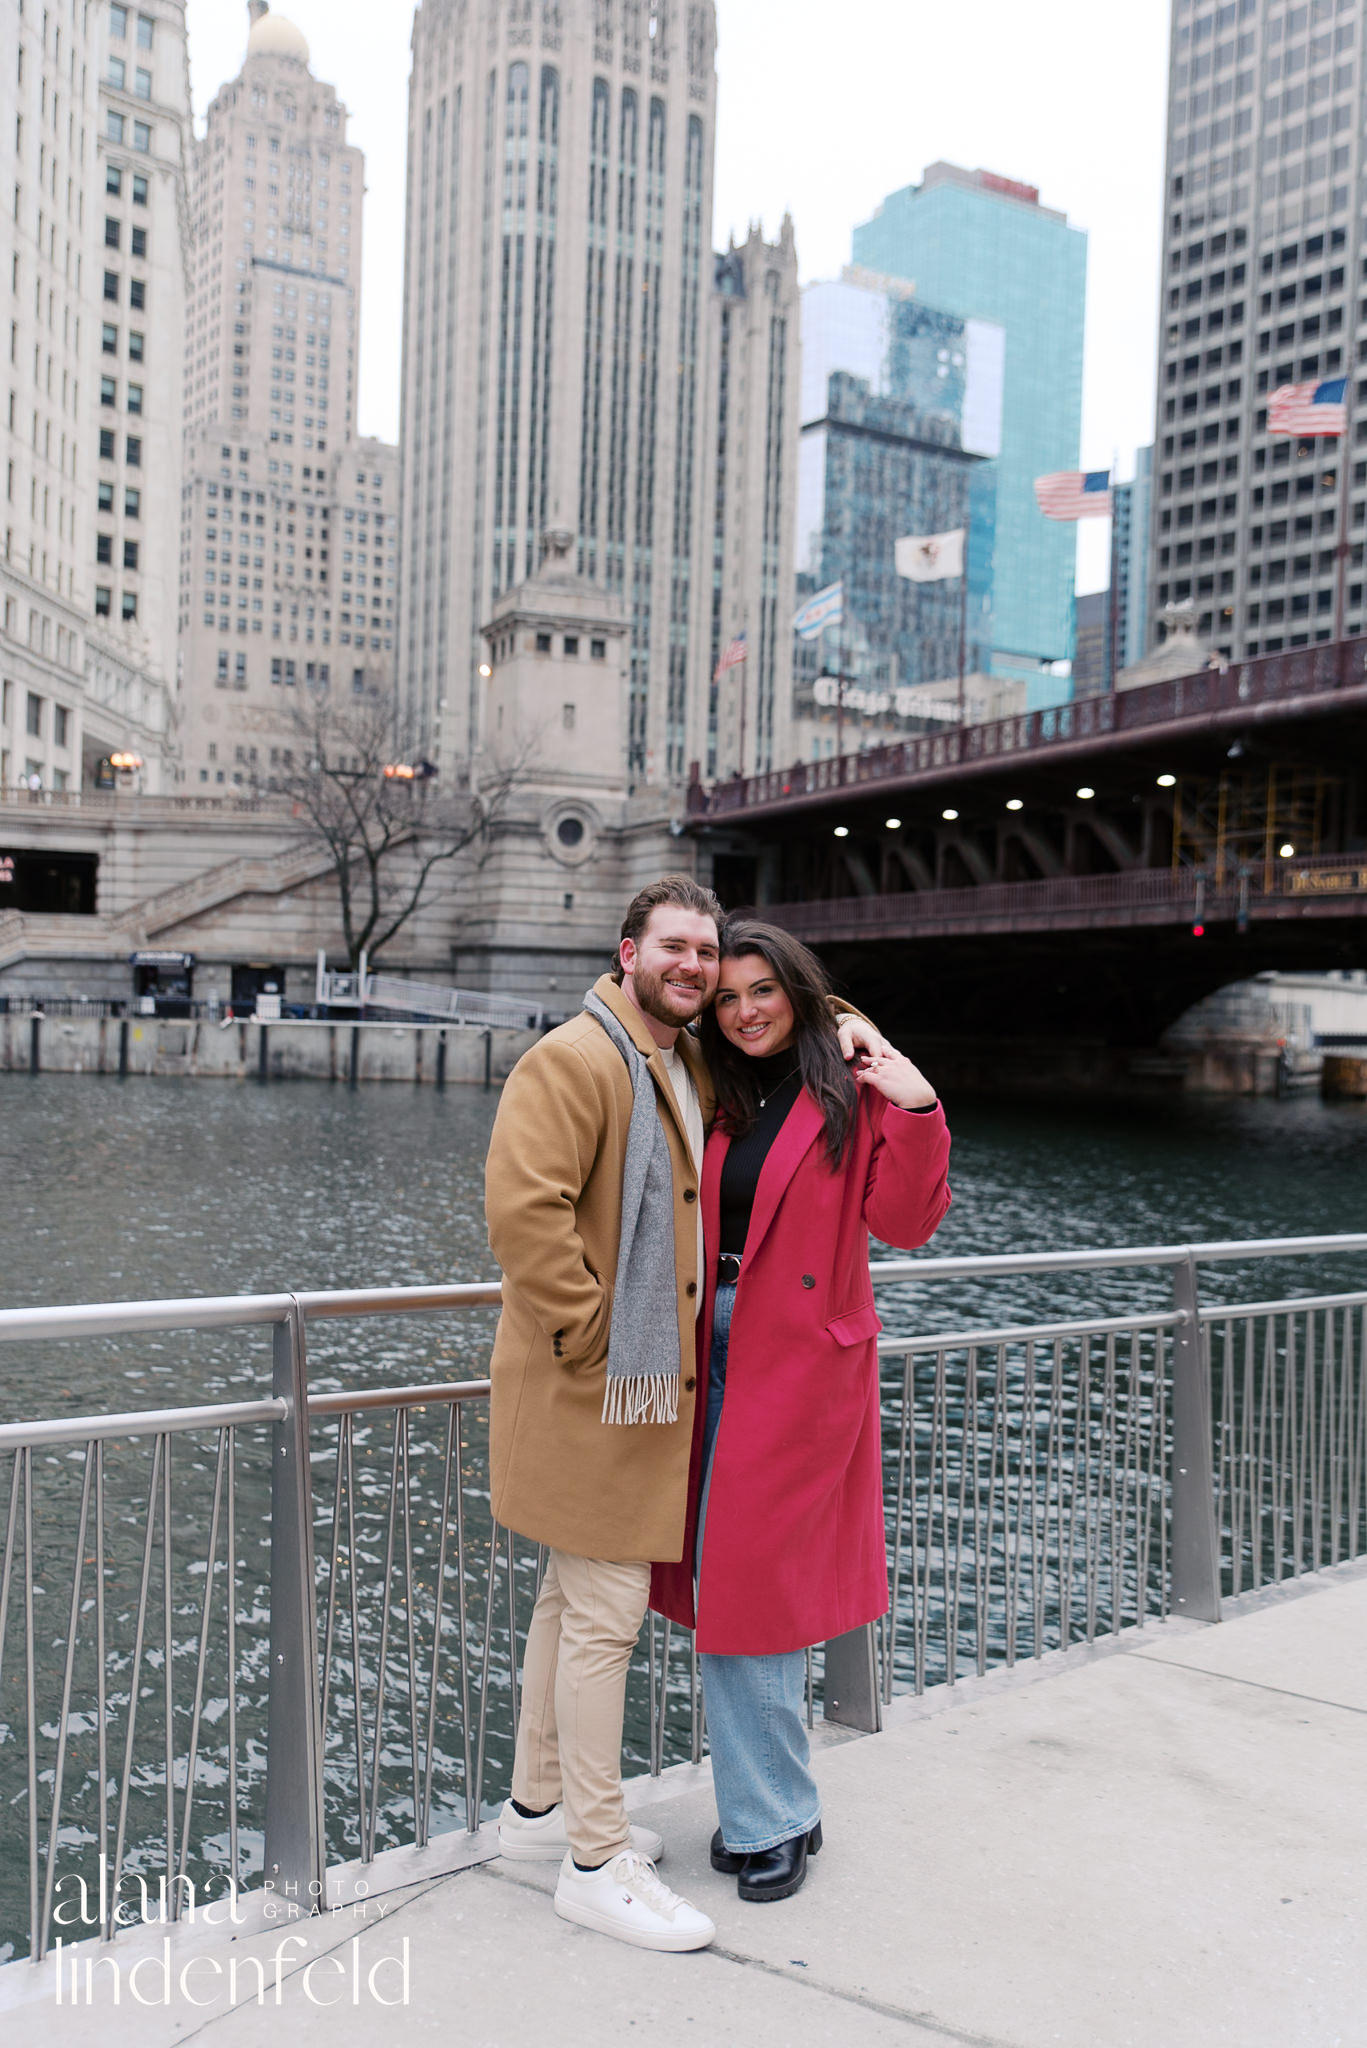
386 825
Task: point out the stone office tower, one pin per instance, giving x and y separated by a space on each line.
556 329
1263 249
276 489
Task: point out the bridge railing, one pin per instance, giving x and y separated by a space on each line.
251 1639
1243 685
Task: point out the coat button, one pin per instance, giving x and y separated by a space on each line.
690 1194
689 1386
692 1287
808 1280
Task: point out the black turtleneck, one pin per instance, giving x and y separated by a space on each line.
780 1083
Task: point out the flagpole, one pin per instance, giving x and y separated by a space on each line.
1341 552
963 613
1111 608
743 666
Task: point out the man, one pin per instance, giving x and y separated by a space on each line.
592 1201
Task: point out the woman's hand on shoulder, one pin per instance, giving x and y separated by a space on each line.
857 1036
895 1076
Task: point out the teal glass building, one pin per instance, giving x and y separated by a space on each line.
983 248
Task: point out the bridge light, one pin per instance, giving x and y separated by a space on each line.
842 831
1287 851
1013 803
893 824
485 669
1198 931
1167 781
1086 793
949 816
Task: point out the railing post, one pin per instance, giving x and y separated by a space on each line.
1195 1540
852 1696
294 1749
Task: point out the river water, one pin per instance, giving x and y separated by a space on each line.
144 1188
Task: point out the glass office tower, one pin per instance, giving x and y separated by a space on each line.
982 247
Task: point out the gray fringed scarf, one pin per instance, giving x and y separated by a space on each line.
643 1344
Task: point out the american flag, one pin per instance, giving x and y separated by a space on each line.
1074 494
731 656
1309 408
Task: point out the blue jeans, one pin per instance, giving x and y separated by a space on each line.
756 1706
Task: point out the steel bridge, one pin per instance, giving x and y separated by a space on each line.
1089 871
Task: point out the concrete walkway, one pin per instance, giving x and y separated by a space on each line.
1161 1846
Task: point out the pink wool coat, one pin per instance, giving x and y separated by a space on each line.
793 1550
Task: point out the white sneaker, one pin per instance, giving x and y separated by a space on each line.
544 1840
628 1900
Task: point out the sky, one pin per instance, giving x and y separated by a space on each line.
1068 95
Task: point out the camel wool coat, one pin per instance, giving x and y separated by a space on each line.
553 1197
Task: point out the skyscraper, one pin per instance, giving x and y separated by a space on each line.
982 247
901 415
1262 254
1133 510
271 376
555 330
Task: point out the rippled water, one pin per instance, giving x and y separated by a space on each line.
152 1188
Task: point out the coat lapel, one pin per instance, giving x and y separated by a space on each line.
801 1128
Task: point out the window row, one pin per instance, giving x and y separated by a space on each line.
104 603
104 550
132 448
35 721
141 87
132 500
118 27
109 342
113 184
109 394
117 128
137 290
113 236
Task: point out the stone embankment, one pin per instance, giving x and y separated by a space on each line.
236 1050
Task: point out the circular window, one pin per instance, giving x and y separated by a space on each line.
570 832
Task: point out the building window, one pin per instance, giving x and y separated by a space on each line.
109 391
109 339
116 73
571 644
106 444
111 233
113 127
135 398
137 294
138 241
132 503
142 137
105 496
139 189
598 649
543 643
102 600
133 452
33 717
130 554
142 84
144 31
135 346
118 23
113 179
104 547
222 675
240 670
61 726
276 669
111 285
130 604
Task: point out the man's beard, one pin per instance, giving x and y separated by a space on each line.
654 1000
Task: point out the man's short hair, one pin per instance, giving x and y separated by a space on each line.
681 891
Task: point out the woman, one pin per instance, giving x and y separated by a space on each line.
785 1543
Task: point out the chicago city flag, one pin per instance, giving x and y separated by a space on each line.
827 608
1074 494
1309 408
931 557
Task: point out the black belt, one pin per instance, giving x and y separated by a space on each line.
728 1269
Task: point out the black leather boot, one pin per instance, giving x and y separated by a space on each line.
778 1872
723 1859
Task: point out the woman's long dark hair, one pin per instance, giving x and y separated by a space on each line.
816 1045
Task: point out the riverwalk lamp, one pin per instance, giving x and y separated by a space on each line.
125 761
949 816
1288 851
1167 781
485 669
1013 803
893 824
1086 793
842 831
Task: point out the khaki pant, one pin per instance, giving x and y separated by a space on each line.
574 1677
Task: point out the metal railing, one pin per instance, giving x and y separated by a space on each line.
252 1639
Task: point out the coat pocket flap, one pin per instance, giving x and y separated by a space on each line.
856 1327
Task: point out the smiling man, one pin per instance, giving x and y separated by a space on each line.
591 1193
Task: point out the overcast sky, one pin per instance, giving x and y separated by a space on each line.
823 110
